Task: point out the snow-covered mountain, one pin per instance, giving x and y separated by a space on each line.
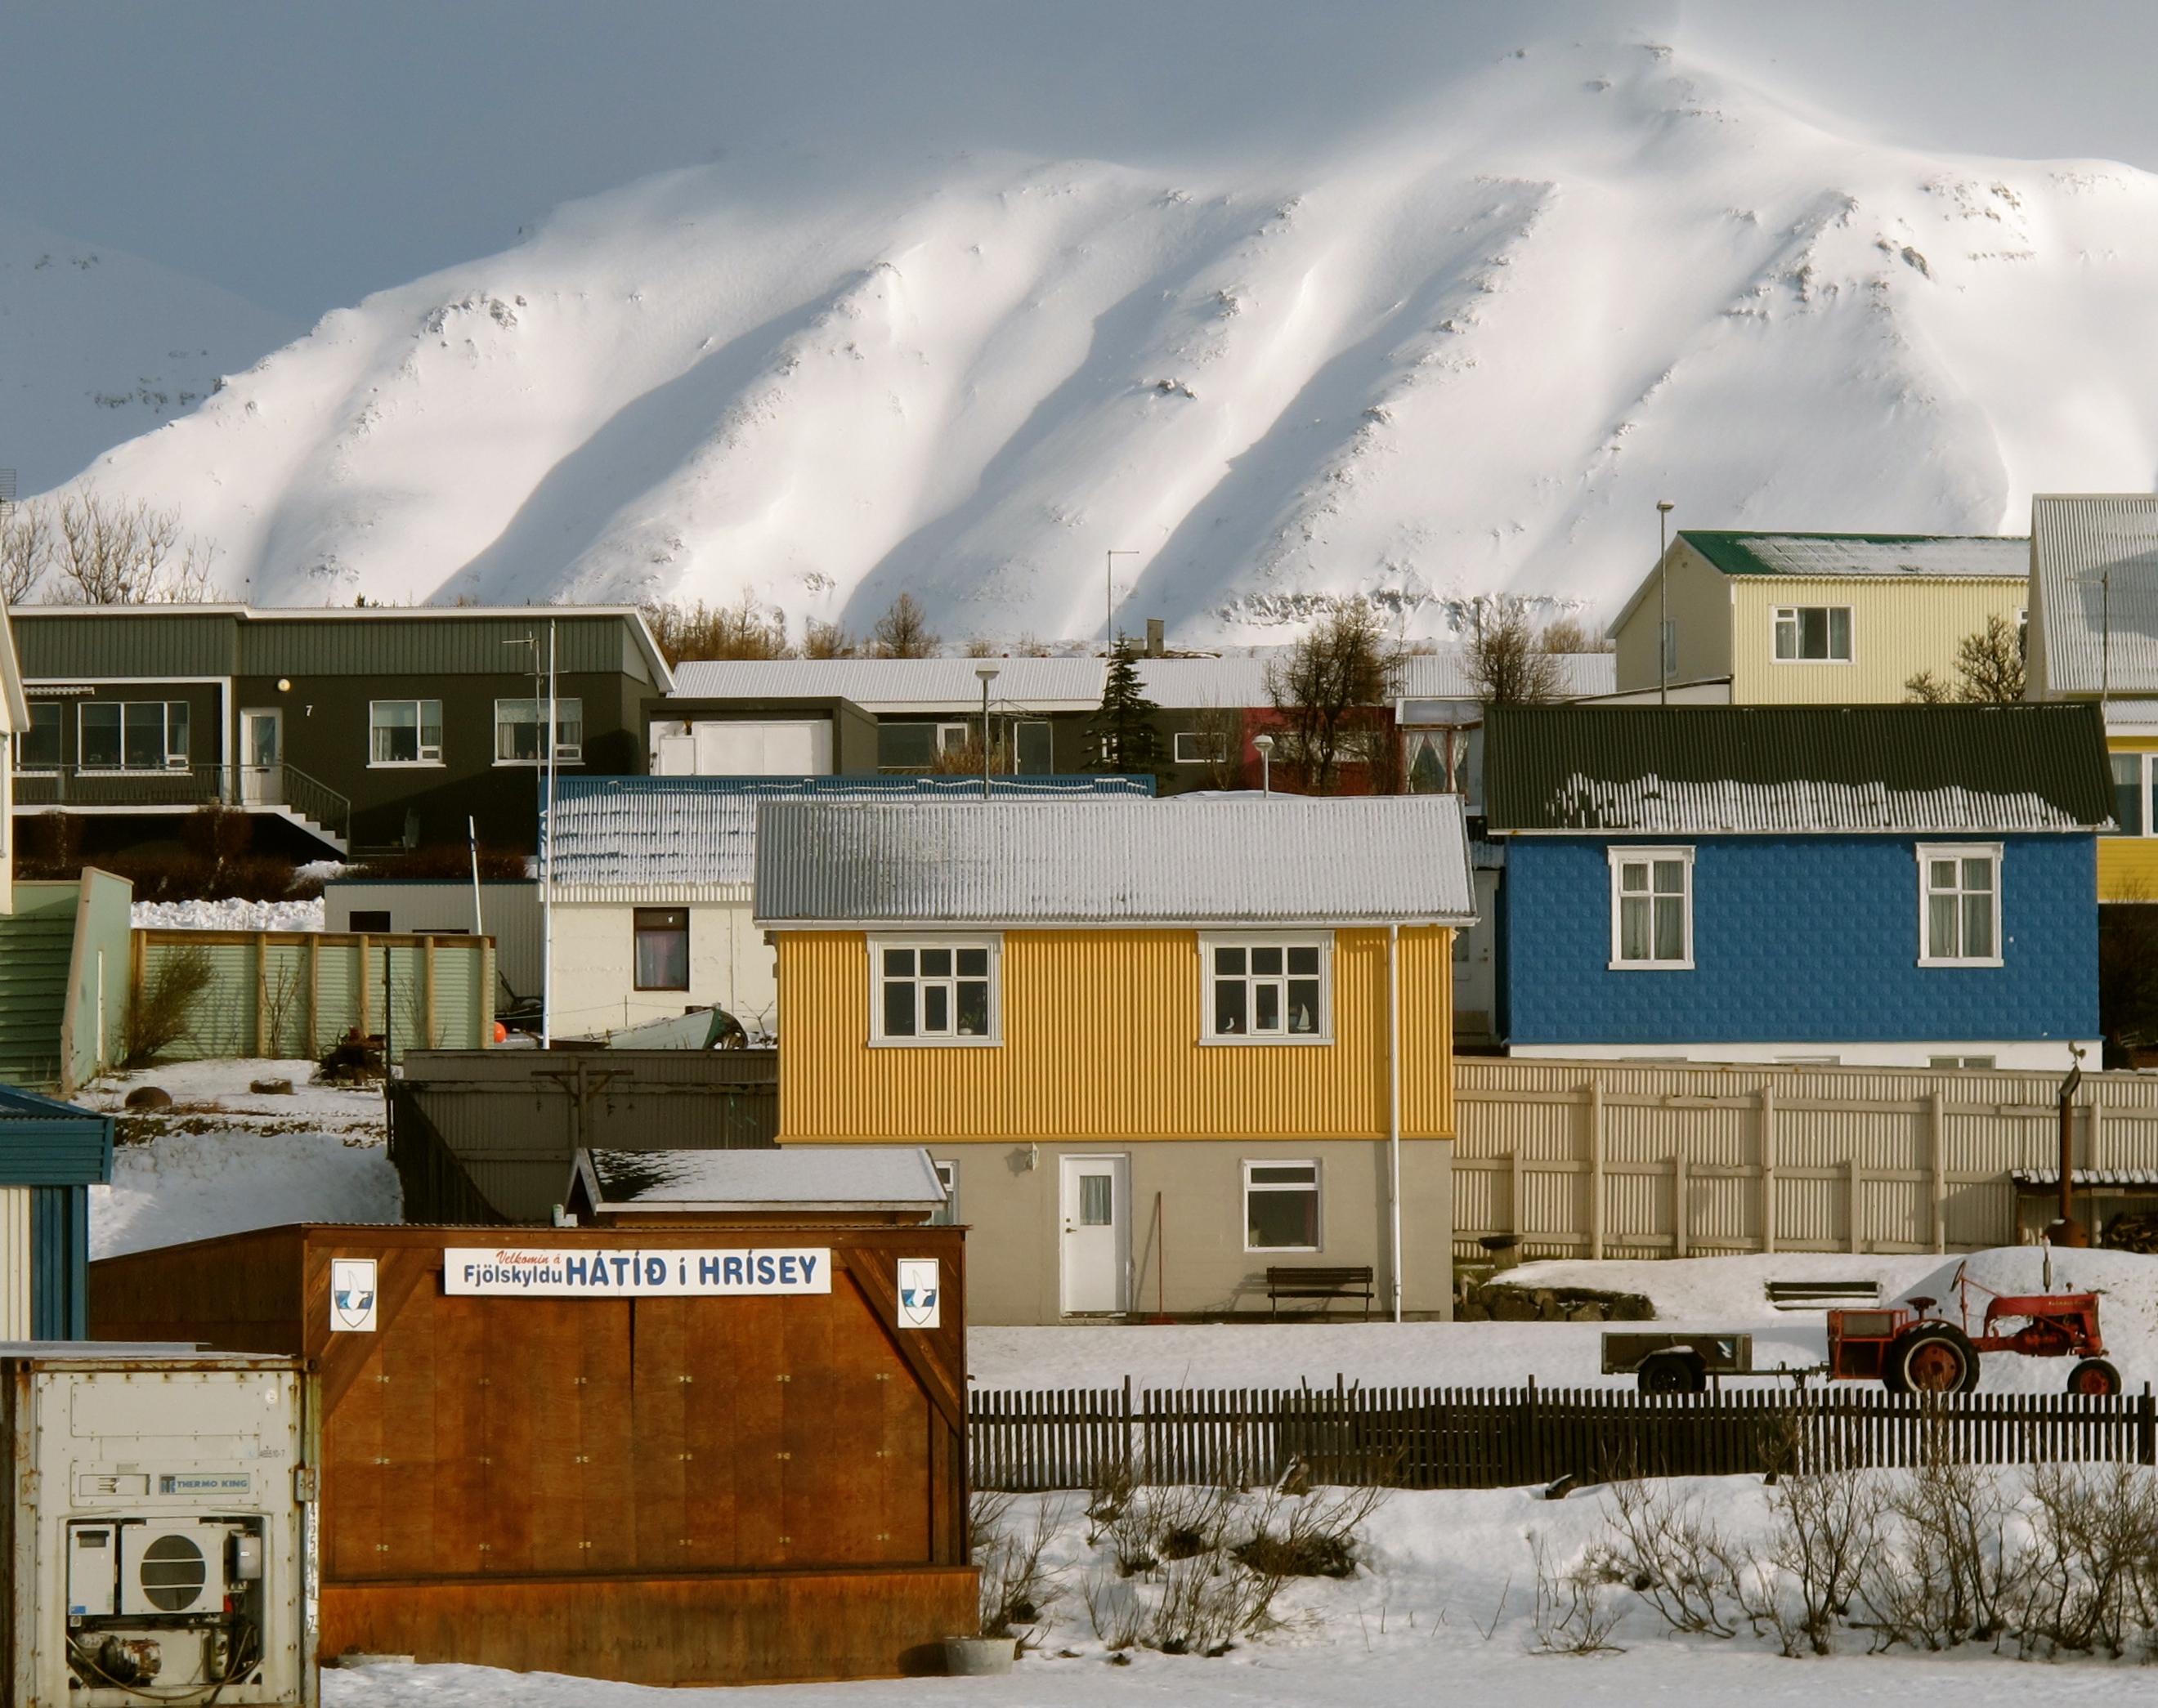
1466 351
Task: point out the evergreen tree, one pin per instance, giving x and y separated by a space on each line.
1125 739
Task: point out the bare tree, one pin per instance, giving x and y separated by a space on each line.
28 536
743 630
981 646
109 551
1507 665
1345 663
903 631
1570 634
1221 733
827 640
1990 664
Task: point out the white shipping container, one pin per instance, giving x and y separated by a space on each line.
159 1536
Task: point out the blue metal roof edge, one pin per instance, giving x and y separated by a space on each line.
50 1130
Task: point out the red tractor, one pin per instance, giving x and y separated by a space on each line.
1910 1351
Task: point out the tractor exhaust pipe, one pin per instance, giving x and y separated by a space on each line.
2067 1230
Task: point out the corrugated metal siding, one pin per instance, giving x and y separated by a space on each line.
16 1263
36 949
2074 540
1101 1042
1717 769
60 1263
152 643
1525 1160
1243 862
1898 628
258 1002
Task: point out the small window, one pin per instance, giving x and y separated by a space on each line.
136 734
1812 633
2131 795
38 748
1202 747
517 731
934 992
373 922
405 732
1952 1062
1280 1206
947 1212
1652 908
662 938
1669 633
1267 990
918 746
1959 903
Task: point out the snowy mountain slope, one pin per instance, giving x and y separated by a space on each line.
1465 352
97 345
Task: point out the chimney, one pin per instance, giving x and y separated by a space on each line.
1154 637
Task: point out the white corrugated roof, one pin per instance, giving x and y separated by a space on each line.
832 1176
2077 538
1962 556
898 684
1237 861
1657 805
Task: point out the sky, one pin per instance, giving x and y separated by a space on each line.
303 154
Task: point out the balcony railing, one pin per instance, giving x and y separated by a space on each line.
278 788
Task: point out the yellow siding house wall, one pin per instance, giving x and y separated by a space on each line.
1101 1043
1696 602
1897 628
2128 865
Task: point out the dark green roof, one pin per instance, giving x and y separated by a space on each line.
1951 769
1762 552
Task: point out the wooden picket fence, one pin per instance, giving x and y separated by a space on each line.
1506 1438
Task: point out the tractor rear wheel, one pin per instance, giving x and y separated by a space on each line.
2094 1375
1671 1373
1933 1358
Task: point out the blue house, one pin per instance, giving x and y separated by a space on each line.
50 1155
1890 885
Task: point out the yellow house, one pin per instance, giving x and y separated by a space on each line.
2094 635
1824 619
1158 1050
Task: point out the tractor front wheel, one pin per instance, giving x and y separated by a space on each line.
2094 1375
1933 1358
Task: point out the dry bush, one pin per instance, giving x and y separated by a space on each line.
1672 1553
1573 1614
2093 1568
1952 1565
163 1012
1301 1535
1199 1609
1988 669
1827 1524
1115 1608
827 639
1570 634
1016 1589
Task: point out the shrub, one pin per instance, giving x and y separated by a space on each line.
164 1011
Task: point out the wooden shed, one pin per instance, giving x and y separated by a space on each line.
689 1454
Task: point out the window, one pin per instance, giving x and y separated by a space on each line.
2134 777
918 746
1669 633
375 920
1958 1061
934 992
1280 1206
662 939
1651 907
1812 632
1202 746
947 1212
38 748
405 732
1267 990
136 734
517 731
1959 906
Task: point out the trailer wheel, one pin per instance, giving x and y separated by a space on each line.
1933 1358
1671 1373
2094 1375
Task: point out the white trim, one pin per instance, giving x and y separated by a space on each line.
1959 851
1617 854
2047 1055
877 944
1851 633
2143 758
1322 940
1318 1194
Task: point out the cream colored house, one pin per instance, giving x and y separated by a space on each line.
15 718
1824 619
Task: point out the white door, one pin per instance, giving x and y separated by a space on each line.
1097 1237
262 758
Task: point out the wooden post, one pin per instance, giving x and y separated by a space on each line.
1514 1195
427 977
1937 1134
1596 1166
1768 1168
262 994
365 1028
1679 1201
1858 1205
314 993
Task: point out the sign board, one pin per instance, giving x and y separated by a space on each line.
733 1271
351 1295
921 1302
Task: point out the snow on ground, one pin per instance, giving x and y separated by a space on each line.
1703 1293
229 915
223 1159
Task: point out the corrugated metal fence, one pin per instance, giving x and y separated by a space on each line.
1508 1437
295 994
1621 1160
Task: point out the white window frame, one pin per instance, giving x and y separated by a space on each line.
947 1173
1219 738
1778 612
569 713
992 942
1318 1196
1927 852
428 758
1619 854
1322 940
2145 765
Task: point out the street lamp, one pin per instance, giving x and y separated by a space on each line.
1265 743
988 674
1663 622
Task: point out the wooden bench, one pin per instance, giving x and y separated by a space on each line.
1822 1295
1329 1284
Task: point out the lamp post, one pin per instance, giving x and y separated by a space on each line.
1663 580
987 674
1265 743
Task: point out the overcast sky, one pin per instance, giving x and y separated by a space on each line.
303 154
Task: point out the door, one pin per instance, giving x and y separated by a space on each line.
1097 1243
262 758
